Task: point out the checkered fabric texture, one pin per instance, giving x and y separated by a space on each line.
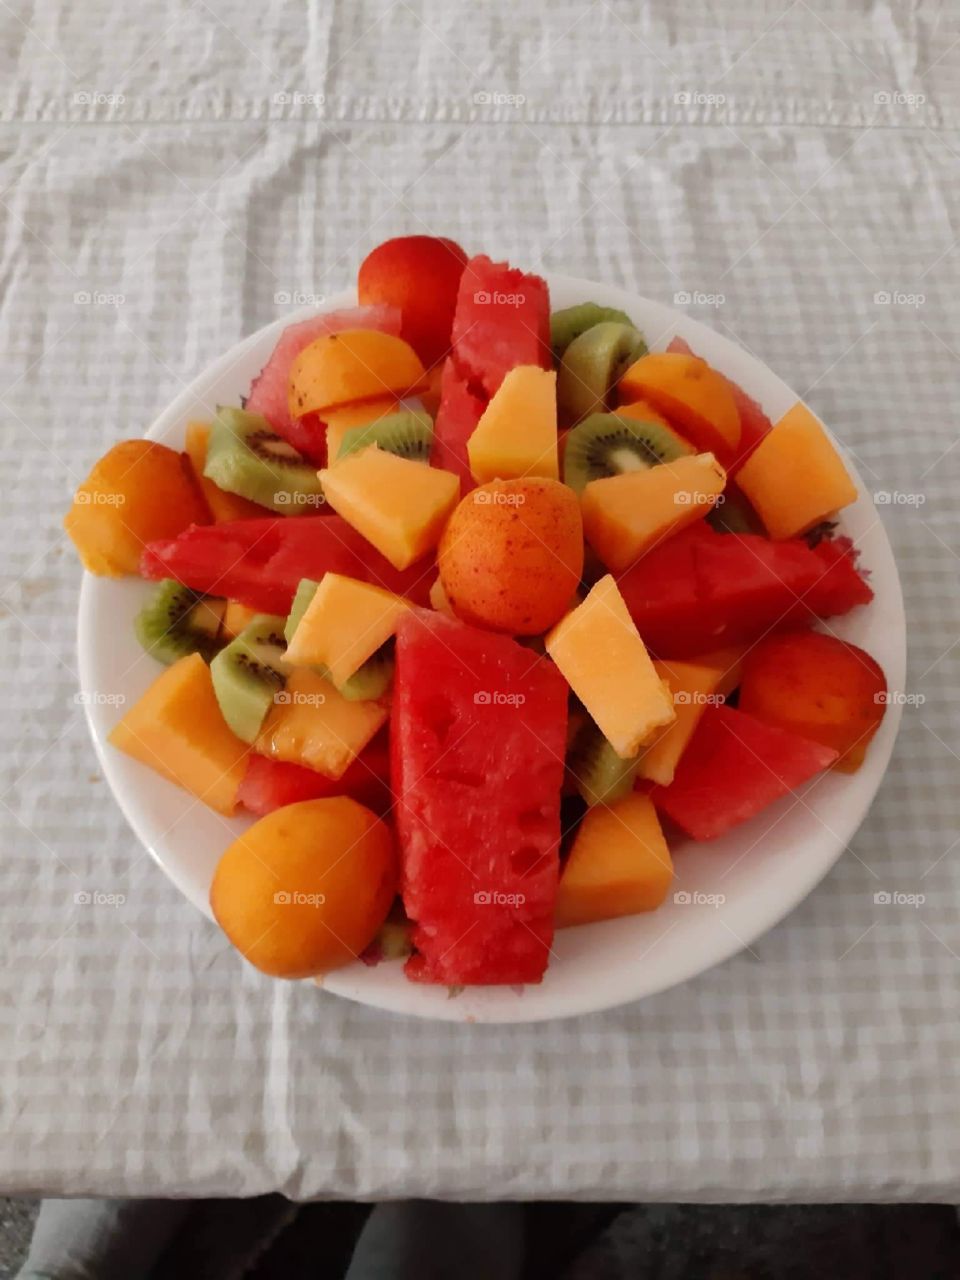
167 174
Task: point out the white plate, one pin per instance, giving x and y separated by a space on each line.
762 869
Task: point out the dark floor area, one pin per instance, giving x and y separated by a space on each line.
609 1242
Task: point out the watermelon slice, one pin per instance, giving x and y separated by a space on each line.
271 784
458 415
260 562
478 734
733 767
701 588
754 423
268 394
502 320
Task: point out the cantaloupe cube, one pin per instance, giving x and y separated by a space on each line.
177 729
599 651
517 432
625 515
313 724
354 364
340 421
399 506
619 864
795 477
223 506
693 688
344 624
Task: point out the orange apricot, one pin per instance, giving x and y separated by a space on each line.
420 276
694 397
355 364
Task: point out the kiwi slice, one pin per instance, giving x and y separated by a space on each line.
246 456
409 434
369 681
600 775
249 673
591 367
607 445
569 323
176 621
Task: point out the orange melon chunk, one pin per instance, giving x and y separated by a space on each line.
178 730
599 651
517 432
344 624
625 515
400 506
795 477
313 724
223 506
355 364
690 394
619 864
693 688
139 491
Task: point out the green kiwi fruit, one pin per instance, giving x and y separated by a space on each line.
600 775
246 456
249 673
409 434
176 621
607 445
569 323
591 367
369 681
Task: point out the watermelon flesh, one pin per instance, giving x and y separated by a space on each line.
268 394
754 423
733 768
271 784
478 735
260 562
457 417
701 589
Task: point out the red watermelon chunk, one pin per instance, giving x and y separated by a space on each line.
754 423
701 589
734 767
502 320
268 394
457 417
478 735
261 562
271 784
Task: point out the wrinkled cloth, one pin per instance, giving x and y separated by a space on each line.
172 178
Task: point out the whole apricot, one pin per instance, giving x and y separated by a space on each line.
305 889
511 555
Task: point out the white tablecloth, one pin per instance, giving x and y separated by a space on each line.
167 173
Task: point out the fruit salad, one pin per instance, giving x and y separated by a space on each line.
483 613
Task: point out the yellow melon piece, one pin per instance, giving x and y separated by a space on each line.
223 506
619 864
795 477
344 624
517 432
400 506
625 515
177 729
693 688
236 617
313 724
600 653
355 364
438 599
340 421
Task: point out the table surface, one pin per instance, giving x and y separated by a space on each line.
171 178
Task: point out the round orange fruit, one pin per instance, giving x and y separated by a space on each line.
305 889
511 555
